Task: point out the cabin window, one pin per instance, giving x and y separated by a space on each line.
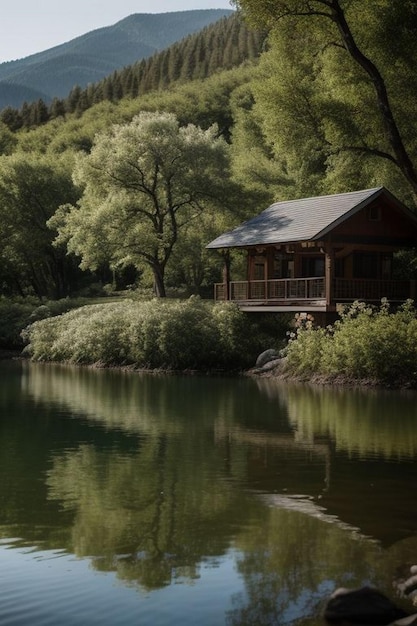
372 265
283 266
288 268
259 271
312 266
374 213
259 268
277 267
365 265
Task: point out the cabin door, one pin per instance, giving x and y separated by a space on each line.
259 269
258 276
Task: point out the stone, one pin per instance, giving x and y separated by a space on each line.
266 356
363 606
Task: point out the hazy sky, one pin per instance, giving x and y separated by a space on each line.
30 26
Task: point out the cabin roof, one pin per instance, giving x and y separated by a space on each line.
307 219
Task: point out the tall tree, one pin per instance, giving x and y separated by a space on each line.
31 189
8 139
364 33
142 184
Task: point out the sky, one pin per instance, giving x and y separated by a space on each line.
31 26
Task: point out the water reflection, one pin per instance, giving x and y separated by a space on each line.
147 403
361 422
152 477
300 558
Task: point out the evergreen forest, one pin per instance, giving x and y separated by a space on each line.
91 57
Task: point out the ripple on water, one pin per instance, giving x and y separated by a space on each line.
45 588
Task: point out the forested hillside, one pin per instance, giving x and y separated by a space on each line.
91 57
294 118
222 45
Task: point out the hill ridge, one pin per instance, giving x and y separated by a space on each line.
99 52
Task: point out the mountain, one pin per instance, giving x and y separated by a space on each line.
93 56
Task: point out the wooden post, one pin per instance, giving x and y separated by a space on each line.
329 273
226 274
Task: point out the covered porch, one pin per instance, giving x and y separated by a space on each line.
315 277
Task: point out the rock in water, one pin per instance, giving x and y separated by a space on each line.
266 356
362 606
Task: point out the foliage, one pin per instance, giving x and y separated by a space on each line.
17 313
169 334
367 343
335 94
302 121
202 102
62 142
304 351
143 182
31 189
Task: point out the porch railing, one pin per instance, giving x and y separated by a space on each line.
368 289
273 290
287 289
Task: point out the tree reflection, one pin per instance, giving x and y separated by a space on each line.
151 516
363 422
151 476
293 563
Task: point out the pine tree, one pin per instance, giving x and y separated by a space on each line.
12 118
57 108
72 101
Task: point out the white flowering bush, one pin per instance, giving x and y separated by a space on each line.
367 342
169 334
304 352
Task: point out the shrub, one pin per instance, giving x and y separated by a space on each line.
17 313
170 334
305 351
13 317
366 343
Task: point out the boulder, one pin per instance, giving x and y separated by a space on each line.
364 606
266 356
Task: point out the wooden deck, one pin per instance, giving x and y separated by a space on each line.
288 294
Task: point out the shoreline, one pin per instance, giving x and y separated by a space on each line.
277 373
10 354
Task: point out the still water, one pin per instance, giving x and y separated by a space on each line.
129 499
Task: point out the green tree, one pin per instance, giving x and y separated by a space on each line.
8 139
57 108
360 57
142 184
254 163
72 103
11 118
31 189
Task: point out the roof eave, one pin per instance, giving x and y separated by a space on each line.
253 244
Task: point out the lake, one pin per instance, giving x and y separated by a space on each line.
128 498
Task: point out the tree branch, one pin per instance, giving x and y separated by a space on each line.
402 158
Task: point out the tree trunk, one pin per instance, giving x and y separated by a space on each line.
158 281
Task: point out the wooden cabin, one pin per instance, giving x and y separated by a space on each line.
311 254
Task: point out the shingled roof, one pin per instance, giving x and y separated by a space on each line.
307 219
